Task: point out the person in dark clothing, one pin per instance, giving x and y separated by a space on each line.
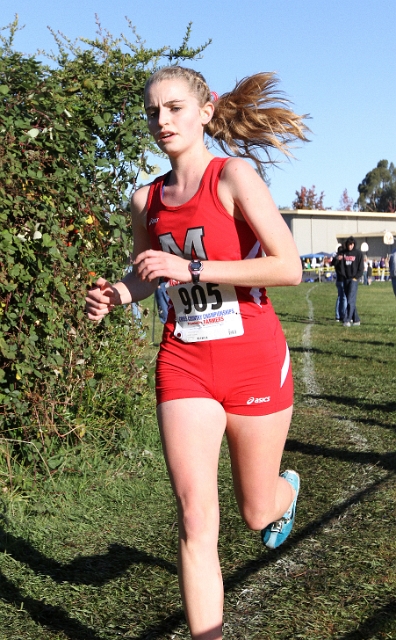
341 302
162 300
392 270
353 269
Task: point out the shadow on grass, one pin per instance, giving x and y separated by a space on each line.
54 618
343 356
377 423
375 343
347 401
98 569
93 570
386 407
378 622
385 460
284 316
310 349
374 422
324 352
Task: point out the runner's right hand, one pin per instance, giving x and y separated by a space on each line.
101 299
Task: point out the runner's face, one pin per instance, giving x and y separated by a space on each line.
175 117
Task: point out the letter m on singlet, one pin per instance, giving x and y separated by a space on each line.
193 243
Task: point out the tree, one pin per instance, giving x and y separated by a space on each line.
308 199
346 203
73 142
377 192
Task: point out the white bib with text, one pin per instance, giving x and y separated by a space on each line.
205 311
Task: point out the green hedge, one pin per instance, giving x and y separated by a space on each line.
73 140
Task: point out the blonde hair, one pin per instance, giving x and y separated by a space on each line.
255 116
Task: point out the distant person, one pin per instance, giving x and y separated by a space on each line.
387 268
392 269
369 272
365 270
382 269
162 301
353 268
137 312
341 302
136 309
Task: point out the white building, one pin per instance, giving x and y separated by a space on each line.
315 230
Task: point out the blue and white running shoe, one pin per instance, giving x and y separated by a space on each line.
276 533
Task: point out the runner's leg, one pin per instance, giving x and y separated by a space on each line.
256 445
191 432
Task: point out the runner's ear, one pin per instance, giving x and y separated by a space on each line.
207 112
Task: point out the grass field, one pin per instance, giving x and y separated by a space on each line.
90 553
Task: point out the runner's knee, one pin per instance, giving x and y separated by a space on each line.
198 522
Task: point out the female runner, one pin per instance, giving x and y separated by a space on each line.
212 230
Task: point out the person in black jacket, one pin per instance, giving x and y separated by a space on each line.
392 270
341 302
353 269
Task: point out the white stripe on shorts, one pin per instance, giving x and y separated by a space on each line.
285 367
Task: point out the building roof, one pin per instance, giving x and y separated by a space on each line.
331 213
370 234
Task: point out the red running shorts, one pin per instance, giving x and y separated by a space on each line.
248 375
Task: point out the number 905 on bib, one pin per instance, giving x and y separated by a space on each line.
205 311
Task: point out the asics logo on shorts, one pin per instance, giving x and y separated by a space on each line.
258 400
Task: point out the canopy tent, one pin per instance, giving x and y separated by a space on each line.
312 272
319 256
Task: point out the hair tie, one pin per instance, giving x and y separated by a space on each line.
215 96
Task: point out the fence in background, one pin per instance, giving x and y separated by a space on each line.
327 274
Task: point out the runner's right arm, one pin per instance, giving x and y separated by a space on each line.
104 296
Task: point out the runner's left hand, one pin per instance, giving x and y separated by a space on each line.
151 264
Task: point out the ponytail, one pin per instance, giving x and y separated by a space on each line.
255 117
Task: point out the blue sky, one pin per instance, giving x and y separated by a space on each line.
336 60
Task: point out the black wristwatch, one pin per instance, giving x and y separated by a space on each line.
195 267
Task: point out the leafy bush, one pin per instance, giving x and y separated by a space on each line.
73 140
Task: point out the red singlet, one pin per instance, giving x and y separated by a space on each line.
250 373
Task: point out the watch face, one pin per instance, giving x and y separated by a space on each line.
195 265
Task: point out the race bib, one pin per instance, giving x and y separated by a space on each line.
205 311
